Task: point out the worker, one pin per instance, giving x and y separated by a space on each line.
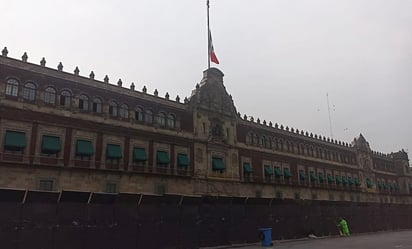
343 227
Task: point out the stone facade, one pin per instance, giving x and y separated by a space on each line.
205 129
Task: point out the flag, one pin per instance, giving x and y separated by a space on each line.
212 54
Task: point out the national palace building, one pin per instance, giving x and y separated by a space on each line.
60 131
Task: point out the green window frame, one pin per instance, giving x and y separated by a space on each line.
113 152
302 175
321 177
369 183
278 171
338 179
50 144
84 148
15 140
247 169
330 179
218 164
162 158
182 160
313 176
396 186
344 180
268 170
139 154
287 173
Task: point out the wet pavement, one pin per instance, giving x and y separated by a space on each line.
380 240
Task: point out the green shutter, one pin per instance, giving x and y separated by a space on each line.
139 155
344 180
338 179
321 177
278 171
385 186
182 160
313 176
50 144
247 168
113 151
162 157
302 175
84 148
218 164
357 182
369 183
380 185
287 173
330 178
350 180
15 140
268 170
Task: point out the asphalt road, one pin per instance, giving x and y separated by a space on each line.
381 240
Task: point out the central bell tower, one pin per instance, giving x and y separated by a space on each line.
214 118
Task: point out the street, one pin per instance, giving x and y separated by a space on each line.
380 240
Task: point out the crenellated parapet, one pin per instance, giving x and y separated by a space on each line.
91 76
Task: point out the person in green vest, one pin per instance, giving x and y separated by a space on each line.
343 227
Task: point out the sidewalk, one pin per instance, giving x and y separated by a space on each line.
377 240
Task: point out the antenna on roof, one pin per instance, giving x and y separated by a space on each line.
330 119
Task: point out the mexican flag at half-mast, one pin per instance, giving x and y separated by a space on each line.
211 56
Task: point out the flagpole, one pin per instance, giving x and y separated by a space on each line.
208 36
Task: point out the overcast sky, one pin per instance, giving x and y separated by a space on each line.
280 57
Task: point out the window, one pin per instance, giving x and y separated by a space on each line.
287 174
65 98
84 148
218 164
302 175
29 91
321 177
139 155
138 114
15 141
111 188
278 171
124 111
161 119
247 168
12 87
50 96
182 160
113 109
97 105
50 145
268 170
171 121
162 158
113 152
83 103
313 177
46 185
149 117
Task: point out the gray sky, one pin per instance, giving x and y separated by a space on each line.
280 57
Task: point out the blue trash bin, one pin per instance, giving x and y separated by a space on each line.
266 236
